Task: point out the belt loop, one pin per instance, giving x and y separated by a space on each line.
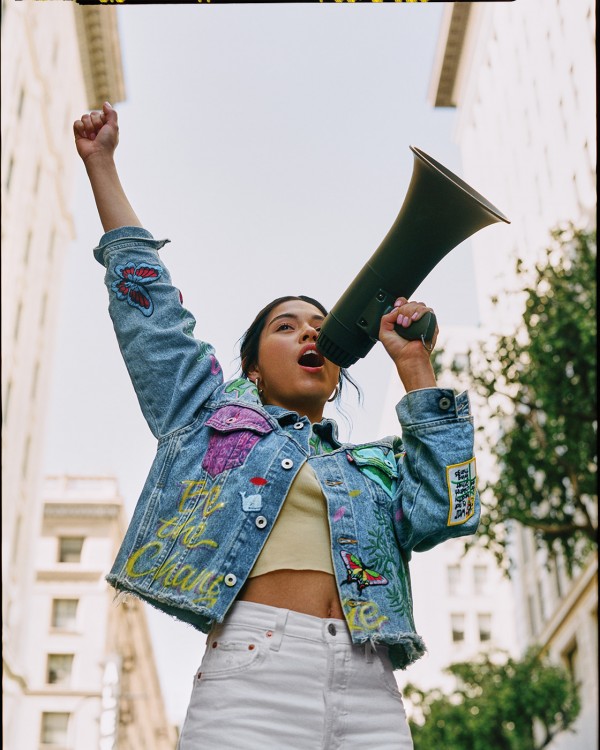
368 652
279 631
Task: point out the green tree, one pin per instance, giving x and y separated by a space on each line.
539 383
514 705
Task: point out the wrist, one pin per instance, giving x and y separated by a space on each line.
99 161
416 373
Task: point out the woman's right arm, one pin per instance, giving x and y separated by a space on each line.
172 372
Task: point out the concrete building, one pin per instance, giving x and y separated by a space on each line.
522 77
91 680
58 59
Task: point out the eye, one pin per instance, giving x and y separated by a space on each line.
284 327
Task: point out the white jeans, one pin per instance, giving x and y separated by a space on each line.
274 679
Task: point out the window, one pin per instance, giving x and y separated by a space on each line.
531 612
27 248
59 669
64 613
54 729
18 320
9 172
7 402
34 380
22 101
36 179
69 549
43 309
25 461
480 574
458 628
453 579
571 660
484 621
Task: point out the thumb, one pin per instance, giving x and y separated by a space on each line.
110 113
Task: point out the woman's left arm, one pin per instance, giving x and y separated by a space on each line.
437 494
411 358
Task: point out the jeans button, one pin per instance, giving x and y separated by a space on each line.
331 628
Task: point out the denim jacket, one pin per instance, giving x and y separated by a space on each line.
225 462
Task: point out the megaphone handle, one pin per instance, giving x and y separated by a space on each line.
424 327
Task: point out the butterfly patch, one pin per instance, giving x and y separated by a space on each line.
360 574
132 282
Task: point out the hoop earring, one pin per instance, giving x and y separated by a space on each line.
260 390
335 395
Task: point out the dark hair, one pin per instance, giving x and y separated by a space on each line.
250 341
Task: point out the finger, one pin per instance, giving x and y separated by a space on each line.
79 129
110 114
87 124
97 119
411 312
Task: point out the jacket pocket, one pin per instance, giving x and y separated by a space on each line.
377 464
235 430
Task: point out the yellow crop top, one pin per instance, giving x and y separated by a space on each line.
299 539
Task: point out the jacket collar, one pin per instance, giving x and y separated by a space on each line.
326 429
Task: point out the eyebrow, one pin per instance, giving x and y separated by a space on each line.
316 316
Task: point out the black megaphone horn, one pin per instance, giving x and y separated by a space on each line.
439 212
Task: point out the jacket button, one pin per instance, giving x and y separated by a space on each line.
260 522
445 403
287 463
299 425
230 579
230 420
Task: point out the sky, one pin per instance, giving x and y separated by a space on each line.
270 144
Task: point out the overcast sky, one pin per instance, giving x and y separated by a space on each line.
270 143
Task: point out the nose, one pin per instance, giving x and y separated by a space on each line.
308 333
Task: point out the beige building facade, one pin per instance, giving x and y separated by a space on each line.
89 666
522 77
57 60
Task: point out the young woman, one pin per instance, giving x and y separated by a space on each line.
256 525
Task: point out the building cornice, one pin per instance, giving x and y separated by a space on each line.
587 581
81 510
100 51
448 54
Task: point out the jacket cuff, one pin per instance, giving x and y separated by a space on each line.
125 237
431 405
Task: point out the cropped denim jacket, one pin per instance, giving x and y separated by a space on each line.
224 465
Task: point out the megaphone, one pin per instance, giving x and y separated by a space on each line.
439 211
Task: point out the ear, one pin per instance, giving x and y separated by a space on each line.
253 373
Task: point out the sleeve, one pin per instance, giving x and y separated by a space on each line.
437 496
172 372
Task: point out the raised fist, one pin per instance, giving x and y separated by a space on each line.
97 133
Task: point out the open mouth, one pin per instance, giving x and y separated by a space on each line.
311 358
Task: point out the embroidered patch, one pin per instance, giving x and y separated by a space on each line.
251 502
360 574
462 485
375 464
132 282
240 387
236 431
